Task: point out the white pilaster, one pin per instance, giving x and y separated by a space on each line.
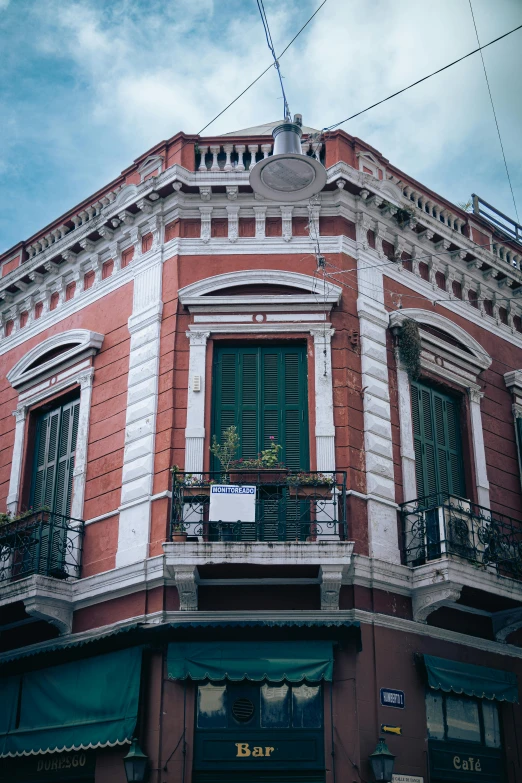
82 439
286 219
140 424
380 481
20 415
324 418
195 429
409 481
260 213
479 452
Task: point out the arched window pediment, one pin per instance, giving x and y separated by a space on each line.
252 286
52 354
459 347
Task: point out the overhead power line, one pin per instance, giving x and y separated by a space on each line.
270 43
494 113
287 47
444 68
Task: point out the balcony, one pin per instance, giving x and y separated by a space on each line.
40 555
292 528
286 506
460 552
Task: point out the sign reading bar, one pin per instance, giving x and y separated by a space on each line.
232 503
392 698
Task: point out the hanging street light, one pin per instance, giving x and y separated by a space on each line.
135 763
288 174
382 762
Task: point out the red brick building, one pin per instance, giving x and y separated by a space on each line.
373 580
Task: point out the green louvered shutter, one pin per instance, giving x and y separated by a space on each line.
262 390
56 437
437 442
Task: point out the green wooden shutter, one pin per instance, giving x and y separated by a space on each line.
262 390
437 442
56 437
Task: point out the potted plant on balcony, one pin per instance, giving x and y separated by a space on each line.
226 449
179 534
189 485
265 468
310 485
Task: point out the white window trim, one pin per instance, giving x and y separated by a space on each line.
82 376
513 381
465 368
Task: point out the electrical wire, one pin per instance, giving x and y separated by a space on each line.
494 113
444 68
270 43
287 47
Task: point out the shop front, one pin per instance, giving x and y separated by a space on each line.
54 720
464 726
260 708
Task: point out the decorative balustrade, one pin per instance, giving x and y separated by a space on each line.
241 157
287 506
444 525
41 542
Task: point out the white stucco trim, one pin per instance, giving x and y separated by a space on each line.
82 342
81 376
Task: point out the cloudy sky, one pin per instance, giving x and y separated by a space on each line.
86 86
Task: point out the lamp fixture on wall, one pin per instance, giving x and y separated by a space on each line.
382 762
135 763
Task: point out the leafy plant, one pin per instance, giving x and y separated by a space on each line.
403 216
226 451
465 205
410 347
268 458
309 480
6 516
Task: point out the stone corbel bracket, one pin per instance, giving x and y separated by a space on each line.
186 579
46 599
506 623
427 599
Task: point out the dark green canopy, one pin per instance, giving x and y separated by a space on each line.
257 661
90 703
480 681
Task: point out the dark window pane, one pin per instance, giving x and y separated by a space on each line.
434 716
462 719
306 707
491 725
212 706
275 706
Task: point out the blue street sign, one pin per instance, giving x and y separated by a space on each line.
392 698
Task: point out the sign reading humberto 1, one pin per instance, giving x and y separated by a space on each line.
392 698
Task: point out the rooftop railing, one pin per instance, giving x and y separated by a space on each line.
41 542
510 228
284 506
440 525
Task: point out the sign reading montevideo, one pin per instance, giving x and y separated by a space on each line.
392 698
231 503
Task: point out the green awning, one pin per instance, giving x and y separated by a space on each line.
272 661
89 703
480 681
9 693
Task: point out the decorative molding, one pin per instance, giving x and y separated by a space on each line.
331 582
427 600
83 343
505 623
186 579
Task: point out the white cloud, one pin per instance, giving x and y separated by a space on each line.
109 80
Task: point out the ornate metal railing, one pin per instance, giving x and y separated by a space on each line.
282 507
442 524
41 542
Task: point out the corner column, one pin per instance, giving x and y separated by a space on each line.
140 424
20 415
380 480
195 430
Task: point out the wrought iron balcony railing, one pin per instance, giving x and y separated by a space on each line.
440 525
284 506
41 542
